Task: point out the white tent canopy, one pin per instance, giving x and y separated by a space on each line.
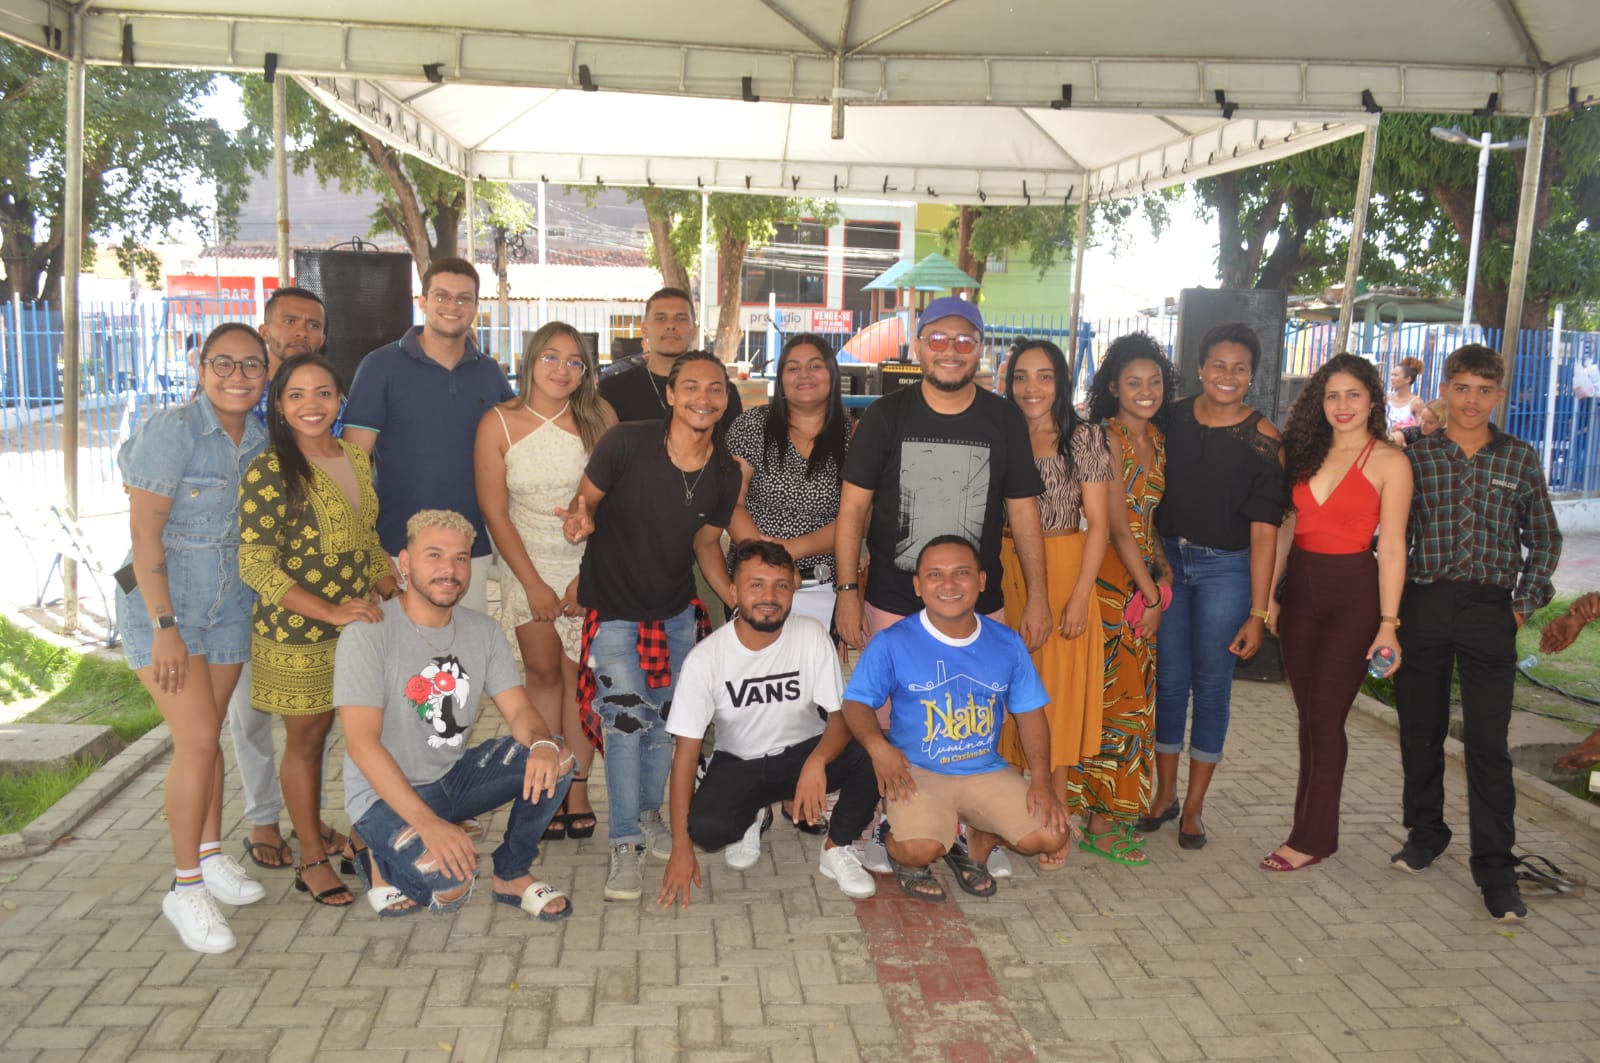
927 99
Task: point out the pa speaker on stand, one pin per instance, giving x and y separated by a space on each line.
369 299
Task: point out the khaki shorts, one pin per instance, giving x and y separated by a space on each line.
995 801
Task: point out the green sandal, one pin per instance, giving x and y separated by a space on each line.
1119 851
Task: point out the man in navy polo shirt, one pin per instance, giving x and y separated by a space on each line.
414 407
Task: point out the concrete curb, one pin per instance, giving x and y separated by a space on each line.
1535 789
88 796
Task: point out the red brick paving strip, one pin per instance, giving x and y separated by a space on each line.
936 983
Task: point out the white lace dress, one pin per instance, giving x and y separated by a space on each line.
542 473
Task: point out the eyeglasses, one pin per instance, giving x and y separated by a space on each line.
223 366
555 361
444 298
939 342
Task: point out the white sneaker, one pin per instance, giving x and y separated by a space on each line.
657 835
226 881
843 866
194 914
875 856
743 854
999 863
626 880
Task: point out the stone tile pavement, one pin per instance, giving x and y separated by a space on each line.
1197 956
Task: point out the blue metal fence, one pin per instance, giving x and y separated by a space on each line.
138 357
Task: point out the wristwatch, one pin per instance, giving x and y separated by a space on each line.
166 620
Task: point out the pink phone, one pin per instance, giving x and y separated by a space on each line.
1136 607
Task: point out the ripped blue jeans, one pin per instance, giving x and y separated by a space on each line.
486 777
638 747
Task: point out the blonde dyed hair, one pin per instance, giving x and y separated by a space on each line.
448 519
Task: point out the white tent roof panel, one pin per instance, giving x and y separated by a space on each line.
942 98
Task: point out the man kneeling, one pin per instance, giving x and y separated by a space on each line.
950 676
408 689
766 680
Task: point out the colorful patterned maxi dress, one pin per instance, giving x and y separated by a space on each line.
1116 781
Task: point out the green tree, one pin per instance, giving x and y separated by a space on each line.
1284 225
145 148
739 222
978 233
421 204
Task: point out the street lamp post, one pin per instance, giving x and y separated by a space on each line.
1485 145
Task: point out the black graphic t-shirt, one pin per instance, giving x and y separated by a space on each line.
934 474
429 684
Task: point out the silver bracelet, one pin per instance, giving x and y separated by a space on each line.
544 742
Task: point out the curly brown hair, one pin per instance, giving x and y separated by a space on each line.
1307 435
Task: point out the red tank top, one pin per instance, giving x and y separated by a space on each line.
1346 522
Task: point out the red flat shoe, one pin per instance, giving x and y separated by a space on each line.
1274 862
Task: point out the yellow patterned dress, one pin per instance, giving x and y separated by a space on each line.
331 550
1116 780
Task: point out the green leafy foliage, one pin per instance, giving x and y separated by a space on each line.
1285 224
420 203
145 147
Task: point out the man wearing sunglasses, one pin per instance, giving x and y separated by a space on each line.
415 406
943 458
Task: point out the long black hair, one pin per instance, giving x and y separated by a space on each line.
1123 351
834 438
1307 435
719 443
292 464
1061 410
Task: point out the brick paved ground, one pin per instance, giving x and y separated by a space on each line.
1197 956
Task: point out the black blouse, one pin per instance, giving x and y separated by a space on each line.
1219 481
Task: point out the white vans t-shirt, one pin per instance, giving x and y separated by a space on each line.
762 701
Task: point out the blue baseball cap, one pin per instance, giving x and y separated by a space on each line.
951 306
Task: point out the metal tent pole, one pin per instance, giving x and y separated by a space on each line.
280 172
1358 234
1532 163
471 213
1077 289
71 335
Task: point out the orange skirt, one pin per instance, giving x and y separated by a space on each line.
1073 670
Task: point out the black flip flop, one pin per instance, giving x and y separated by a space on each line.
909 878
285 854
970 875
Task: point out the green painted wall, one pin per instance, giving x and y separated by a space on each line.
1018 291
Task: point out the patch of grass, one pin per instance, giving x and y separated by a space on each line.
29 666
101 692
24 796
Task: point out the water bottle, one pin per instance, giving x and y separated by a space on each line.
1380 662
1528 662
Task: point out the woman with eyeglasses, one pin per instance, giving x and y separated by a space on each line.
186 621
308 519
528 458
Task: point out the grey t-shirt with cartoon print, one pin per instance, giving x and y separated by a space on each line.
429 684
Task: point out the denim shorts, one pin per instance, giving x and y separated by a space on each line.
211 602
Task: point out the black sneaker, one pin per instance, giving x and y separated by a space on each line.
1412 858
1504 902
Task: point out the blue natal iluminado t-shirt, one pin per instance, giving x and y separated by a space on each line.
947 698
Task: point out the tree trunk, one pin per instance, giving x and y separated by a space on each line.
446 219
674 274
1283 267
730 294
973 267
412 226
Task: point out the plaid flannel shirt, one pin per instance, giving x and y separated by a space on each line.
1483 519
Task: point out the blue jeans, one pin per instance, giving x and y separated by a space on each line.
1210 603
638 746
486 777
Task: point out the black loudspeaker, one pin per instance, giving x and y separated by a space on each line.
368 295
1201 309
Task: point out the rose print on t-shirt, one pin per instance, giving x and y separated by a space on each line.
435 692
